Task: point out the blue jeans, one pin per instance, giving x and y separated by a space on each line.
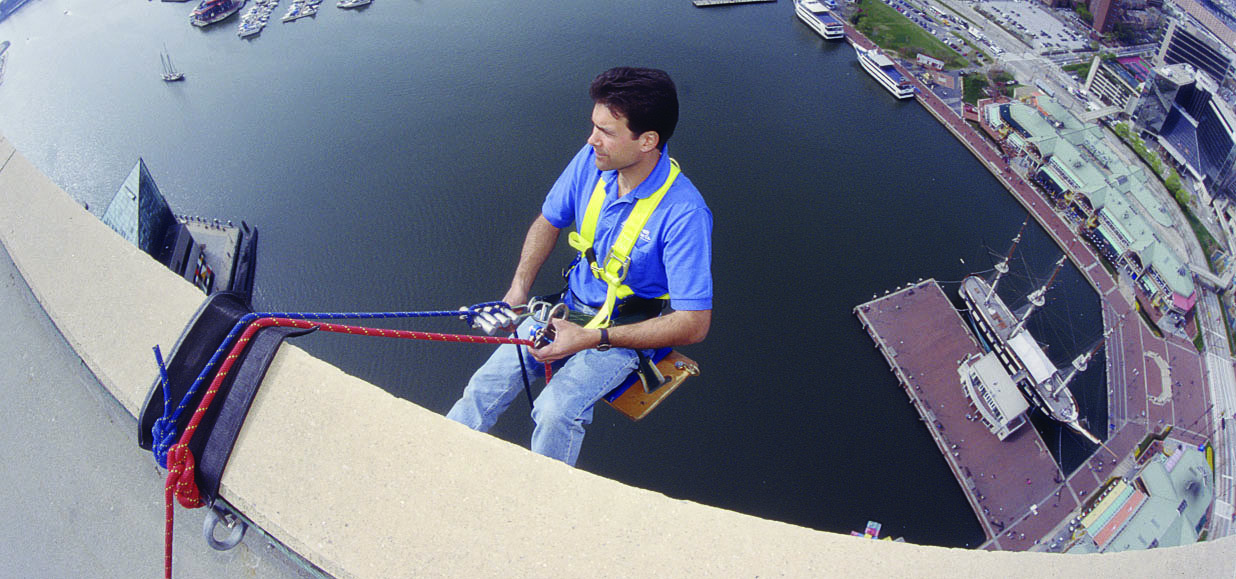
564 406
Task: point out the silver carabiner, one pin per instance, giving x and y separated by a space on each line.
539 310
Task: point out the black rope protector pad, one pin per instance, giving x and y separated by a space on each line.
197 343
240 386
216 433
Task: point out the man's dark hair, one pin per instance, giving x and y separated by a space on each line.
646 97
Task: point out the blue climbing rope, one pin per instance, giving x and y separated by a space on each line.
164 433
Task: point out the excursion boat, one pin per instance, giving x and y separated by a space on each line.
882 69
1003 333
212 11
352 3
813 12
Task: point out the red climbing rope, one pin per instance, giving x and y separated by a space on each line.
181 484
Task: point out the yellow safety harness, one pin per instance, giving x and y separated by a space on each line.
614 268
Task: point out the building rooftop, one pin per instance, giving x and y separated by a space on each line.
991 389
1178 492
438 500
1078 151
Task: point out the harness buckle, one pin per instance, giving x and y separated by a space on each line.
611 277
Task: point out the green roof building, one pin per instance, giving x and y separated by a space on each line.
1099 192
1165 505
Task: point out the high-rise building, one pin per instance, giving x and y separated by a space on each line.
1102 12
140 214
1192 45
1200 133
203 252
1118 81
1159 95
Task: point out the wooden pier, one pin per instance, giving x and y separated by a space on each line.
1014 486
706 3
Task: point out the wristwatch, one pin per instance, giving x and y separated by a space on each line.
604 344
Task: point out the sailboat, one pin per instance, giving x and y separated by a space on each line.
170 74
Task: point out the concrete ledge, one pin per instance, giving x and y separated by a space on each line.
364 484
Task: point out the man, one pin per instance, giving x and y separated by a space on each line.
623 170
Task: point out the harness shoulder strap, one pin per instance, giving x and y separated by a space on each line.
613 270
582 240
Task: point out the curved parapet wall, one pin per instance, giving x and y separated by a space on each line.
364 484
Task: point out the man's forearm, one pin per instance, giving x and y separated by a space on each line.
540 241
678 328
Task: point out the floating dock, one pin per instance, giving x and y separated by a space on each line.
1015 487
704 3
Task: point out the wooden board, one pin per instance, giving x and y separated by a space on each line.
636 403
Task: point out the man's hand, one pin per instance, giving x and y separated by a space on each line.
569 338
515 297
493 318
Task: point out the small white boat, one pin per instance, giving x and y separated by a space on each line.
352 3
247 29
170 74
299 10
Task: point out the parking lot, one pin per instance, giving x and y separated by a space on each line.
1035 25
942 25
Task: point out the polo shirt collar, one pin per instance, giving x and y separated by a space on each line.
650 185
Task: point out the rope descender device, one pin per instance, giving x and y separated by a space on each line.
542 312
493 316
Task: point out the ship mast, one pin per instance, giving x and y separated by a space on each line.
1081 362
1079 365
1003 267
1039 296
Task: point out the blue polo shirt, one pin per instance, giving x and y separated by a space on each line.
674 252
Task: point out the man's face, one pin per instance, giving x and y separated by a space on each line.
615 145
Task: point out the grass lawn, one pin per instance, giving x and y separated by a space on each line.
896 33
1079 68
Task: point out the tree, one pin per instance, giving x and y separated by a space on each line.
1083 12
1173 184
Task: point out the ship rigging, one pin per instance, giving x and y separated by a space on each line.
1000 331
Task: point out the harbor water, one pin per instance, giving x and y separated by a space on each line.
393 157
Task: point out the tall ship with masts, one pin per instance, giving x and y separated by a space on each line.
1005 334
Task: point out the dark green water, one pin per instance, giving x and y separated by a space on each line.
393 158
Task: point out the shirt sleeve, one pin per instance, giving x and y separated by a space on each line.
562 203
688 261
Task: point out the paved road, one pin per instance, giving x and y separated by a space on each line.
78 498
1222 381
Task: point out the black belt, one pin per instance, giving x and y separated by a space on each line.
629 311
